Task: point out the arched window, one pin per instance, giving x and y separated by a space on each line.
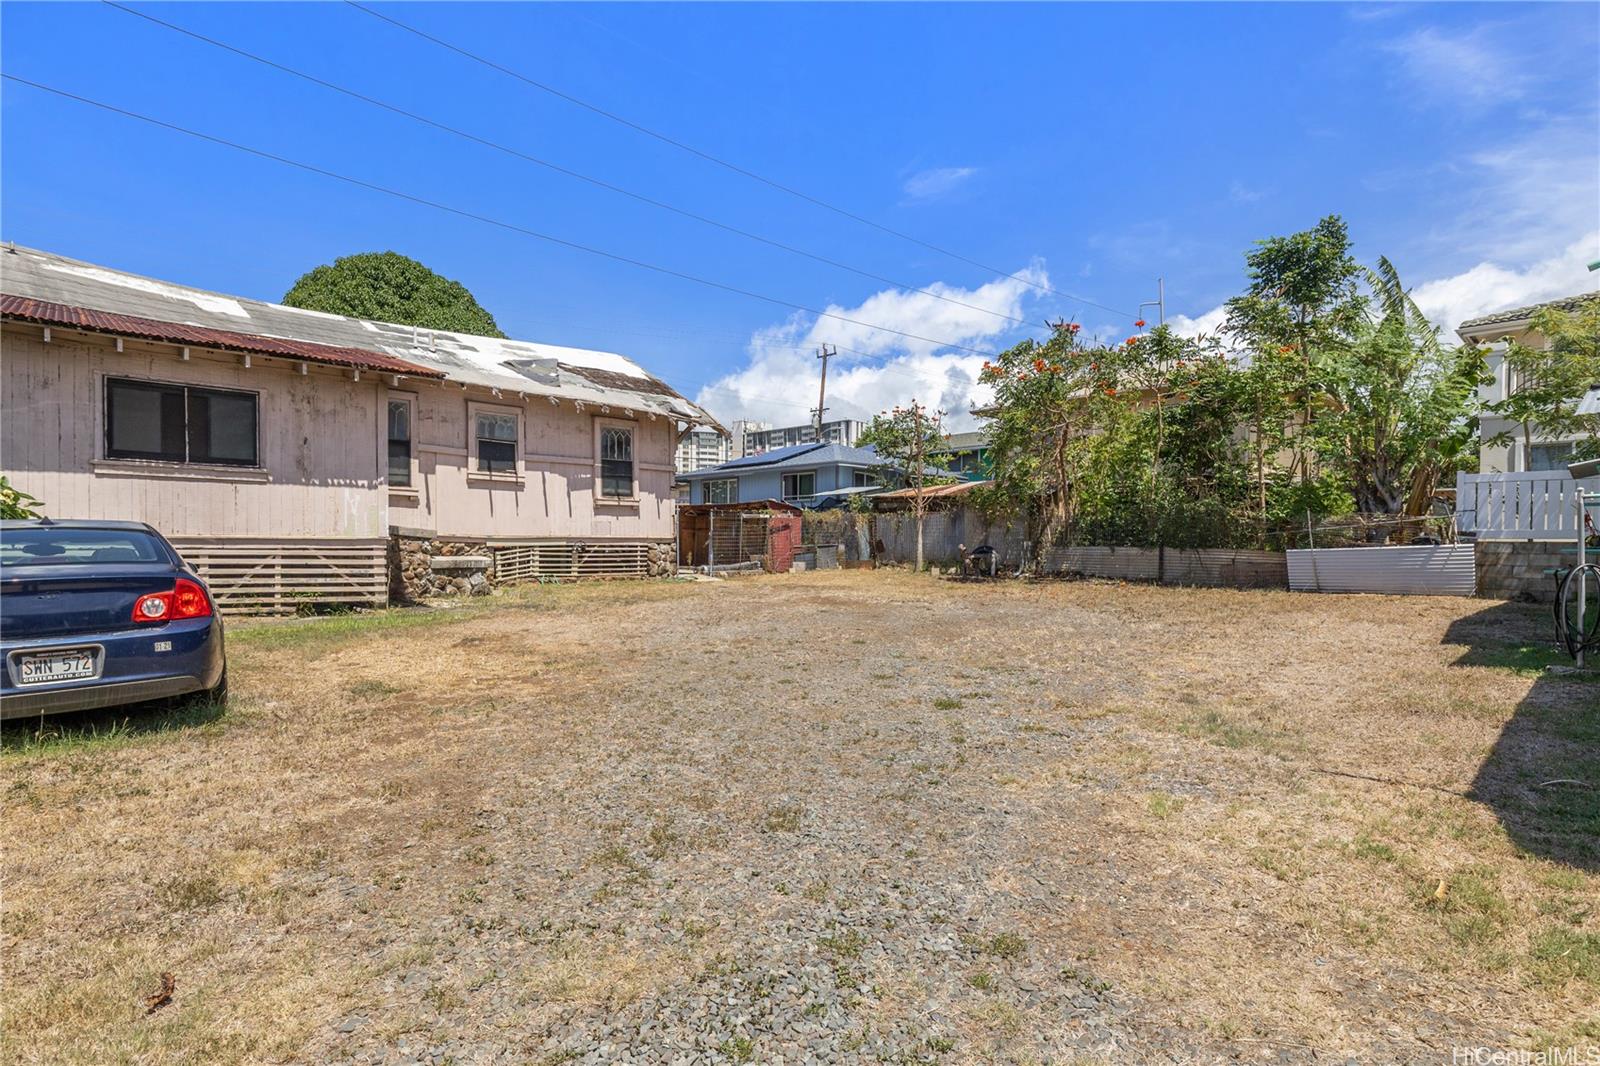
616 462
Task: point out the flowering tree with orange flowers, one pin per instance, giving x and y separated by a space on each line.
1129 443
1048 398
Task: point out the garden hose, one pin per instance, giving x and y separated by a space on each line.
1569 586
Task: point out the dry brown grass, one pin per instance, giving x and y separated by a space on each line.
1231 811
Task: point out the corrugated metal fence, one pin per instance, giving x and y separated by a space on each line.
1214 567
943 533
1421 569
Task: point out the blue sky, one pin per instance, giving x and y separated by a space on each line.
1086 148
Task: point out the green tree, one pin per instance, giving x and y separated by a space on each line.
903 439
389 287
1396 417
1546 382
1047 397
1304 299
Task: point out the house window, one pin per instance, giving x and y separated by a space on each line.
400 443
1551 456
180 423
798 485
863 478
497 442
726 491
616 462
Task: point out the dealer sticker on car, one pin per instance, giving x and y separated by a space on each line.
55 666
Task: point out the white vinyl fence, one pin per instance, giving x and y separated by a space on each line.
1420 569
1537 505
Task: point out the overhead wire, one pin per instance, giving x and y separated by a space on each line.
489 220
557 167
719 161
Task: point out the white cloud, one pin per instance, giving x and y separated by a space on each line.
1208 322
779 384
1490 287
932 184
1472 68
1535 192
1240 193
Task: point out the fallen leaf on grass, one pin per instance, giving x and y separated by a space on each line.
156 1000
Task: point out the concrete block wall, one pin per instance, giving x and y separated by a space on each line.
1514 569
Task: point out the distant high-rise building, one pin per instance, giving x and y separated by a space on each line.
765 439
701 448
742 428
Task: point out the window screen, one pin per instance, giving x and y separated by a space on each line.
180 423
616 462
222 427
497 443
1551 456
399 443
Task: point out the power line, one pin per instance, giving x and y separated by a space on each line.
486 219
734 167
556 167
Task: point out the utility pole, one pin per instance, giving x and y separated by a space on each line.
1159 303
824 354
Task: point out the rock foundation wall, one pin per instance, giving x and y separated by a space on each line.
412 575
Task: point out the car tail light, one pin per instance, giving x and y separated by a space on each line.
185 600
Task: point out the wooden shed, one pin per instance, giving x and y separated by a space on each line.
759 535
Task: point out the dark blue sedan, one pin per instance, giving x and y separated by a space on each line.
97 614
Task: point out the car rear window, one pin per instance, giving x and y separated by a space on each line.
43 546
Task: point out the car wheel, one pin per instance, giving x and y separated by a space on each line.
218 693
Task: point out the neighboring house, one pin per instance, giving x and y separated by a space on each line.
799 474
1494 331
294 455
966 454
843 431
701 448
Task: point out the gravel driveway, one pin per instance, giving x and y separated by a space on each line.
814 818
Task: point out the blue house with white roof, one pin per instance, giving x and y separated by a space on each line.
801 475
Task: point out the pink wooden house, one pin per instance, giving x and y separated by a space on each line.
295 456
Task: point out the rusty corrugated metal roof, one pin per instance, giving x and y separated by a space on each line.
518 367
46 313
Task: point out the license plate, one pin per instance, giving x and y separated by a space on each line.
55 666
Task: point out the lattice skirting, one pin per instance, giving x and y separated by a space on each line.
264 576
568 560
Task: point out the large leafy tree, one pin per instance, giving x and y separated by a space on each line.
1396 414
1337 394
1304 299
1047 396
390 287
